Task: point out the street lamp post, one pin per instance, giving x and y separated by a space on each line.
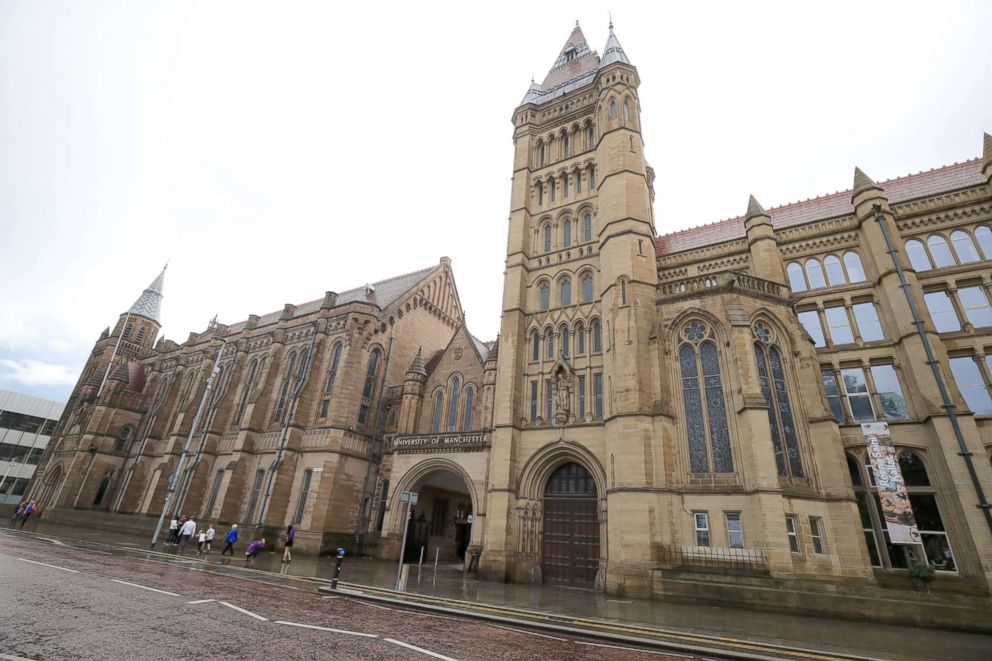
189 440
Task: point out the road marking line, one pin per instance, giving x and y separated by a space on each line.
314 626
419 649
618 601
144 587
246 612
11 657
331 597
53 541
632 649
530 633
200 601
44 564
385 608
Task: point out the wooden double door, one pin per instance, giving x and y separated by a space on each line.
570 539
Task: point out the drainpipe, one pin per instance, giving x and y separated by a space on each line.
945 397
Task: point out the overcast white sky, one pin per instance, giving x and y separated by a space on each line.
273 151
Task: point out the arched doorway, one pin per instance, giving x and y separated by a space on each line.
570 539
440 524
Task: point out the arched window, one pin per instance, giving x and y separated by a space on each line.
918 255
544 294
214 492
332 374
963 246
590 137
587 288
285 388
469 409
565 145
547 237
580 339
940 251
301 501
565 340
855 272
369 389
540 155
592 177
187 388
835 273
703 399
984 237
613 108
771 374
549 343
141 335
797 280
540 191
567 233
438 411
587 227
623 291
914 473
456 389
127 329
564 185
566 292
249 385
597 337
626 111
551 188
535 346
256 489
815 274
578 181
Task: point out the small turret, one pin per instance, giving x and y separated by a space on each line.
766 260
987 158
413 394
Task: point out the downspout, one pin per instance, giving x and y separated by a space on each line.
946 402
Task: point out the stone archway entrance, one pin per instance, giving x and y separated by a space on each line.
570 539
441 521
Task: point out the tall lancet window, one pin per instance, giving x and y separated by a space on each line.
438 411
284 392
771 374
456 387
705 407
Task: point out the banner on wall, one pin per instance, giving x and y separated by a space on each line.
896 508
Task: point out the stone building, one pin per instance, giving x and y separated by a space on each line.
676 414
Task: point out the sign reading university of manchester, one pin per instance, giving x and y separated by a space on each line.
440 442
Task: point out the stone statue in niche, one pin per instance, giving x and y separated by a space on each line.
563 396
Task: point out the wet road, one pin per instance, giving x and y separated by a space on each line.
59 602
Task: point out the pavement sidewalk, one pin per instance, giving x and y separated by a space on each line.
448 582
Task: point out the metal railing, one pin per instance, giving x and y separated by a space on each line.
721 559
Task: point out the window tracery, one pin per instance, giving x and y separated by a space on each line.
703 400
771 374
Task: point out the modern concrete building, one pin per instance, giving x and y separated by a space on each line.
26 426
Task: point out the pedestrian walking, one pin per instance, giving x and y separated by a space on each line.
287 555
17 514
173 531
253 550
230 539
187 531
28 511
201 541
210 538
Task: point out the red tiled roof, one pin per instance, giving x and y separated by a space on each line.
901 189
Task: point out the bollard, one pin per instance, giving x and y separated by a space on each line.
337 569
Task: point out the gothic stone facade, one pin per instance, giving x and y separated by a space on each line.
653 403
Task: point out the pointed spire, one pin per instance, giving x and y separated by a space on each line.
613 51
417 366
149 304
862 182
987 151
754 209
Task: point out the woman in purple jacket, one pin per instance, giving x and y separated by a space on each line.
253 549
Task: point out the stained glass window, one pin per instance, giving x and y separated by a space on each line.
766 391
716 411
469 409
284 391
456 387
692 399
438 411
785 412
